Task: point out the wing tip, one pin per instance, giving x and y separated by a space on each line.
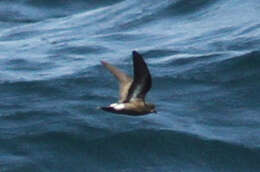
136 54
137 57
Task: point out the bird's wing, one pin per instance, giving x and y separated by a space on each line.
142 79
124 80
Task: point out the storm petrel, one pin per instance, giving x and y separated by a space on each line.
132 91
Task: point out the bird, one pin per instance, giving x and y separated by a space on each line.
132 92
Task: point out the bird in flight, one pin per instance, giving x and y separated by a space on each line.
132 91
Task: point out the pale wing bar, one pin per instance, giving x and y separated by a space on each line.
124 80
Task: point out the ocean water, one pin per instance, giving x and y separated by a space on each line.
204 57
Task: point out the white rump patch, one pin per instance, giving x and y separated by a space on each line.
119 106
113 105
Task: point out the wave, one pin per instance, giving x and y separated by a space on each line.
204 60
70 4
216 67
31 11
170 146
185 7
147 148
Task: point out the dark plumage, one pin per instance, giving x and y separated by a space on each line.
132 92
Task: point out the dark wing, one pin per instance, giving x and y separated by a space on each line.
124 80
142 79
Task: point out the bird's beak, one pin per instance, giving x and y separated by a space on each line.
154 111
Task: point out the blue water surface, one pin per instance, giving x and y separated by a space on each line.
204 57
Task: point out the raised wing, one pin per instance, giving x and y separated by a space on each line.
142 79
124 80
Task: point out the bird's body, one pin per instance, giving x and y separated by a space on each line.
132 91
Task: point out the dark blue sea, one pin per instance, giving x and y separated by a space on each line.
204 58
